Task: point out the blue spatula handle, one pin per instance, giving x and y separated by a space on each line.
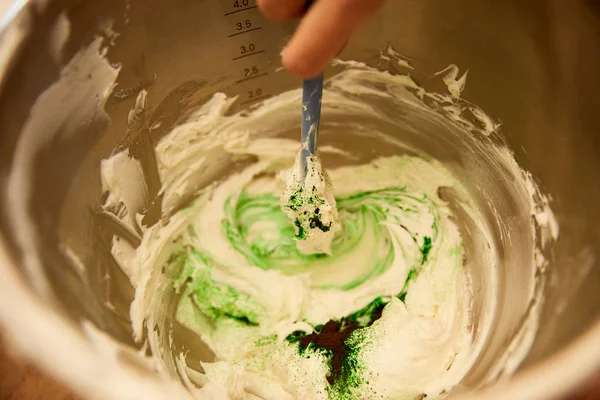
311 114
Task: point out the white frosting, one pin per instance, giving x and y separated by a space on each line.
450 77
123 179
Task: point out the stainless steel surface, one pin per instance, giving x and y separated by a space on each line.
533 65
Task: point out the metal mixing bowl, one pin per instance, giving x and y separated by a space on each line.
533 65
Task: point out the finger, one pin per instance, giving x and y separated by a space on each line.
323 32
281 10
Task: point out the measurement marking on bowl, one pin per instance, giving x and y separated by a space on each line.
248 51
252 77
237 11
248 55
246 31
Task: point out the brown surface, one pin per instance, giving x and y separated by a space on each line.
592 392
24 382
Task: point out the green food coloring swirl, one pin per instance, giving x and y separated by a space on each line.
257 228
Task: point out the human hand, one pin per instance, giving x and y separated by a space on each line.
322 33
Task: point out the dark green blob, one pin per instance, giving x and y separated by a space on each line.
295 336
402 297
366 316
300 232
243 319
315 222
293 203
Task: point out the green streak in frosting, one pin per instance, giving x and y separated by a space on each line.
213 299
258 229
